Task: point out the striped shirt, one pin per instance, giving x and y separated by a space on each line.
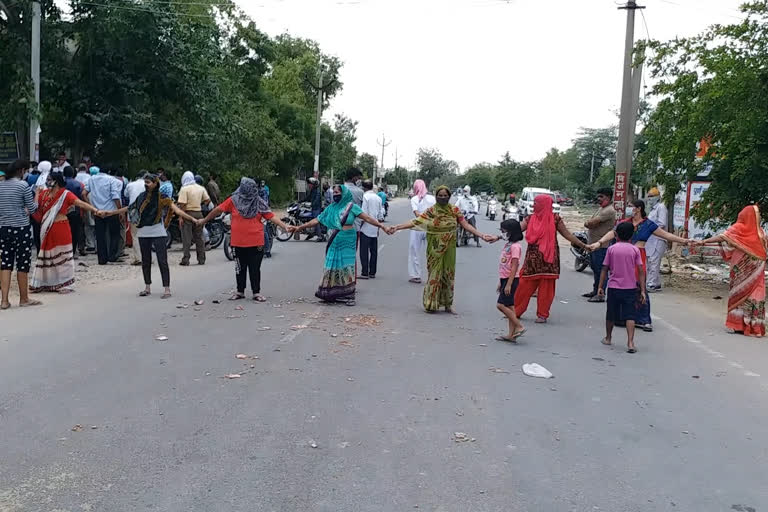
17 203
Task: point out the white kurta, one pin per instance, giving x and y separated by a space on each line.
656 247
417 248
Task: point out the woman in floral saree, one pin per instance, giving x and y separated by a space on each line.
440 222
55 266
339 277
746 252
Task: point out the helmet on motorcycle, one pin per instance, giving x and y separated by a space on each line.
467 190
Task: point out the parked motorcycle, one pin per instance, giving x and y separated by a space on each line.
581 256
492 205
215 230
228 252
298 214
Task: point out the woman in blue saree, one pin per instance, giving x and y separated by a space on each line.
339 279
644 228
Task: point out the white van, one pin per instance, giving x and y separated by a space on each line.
525 206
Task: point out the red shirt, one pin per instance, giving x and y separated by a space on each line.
245 232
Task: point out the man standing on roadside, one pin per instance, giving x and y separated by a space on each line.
74 215
166 185
655 247
192 198
87 241
103 192
212 187
133 190
601 222
369 235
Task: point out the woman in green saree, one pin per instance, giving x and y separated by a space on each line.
338 283
440 222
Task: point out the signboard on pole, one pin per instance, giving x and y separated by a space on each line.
620 194
9 147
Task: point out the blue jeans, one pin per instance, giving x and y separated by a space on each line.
596 264
267 240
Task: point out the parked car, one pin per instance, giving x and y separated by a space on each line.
525 202
562 199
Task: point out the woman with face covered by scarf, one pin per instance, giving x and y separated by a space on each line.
339 279
541 266
439 222
152 213
247 208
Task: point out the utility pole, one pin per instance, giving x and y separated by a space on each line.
34 122
321 90
628 116
395 157
316 167
592 168
383 145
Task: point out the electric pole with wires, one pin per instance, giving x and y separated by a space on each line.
630 102
384 143
321 90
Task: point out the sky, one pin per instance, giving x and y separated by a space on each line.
477 78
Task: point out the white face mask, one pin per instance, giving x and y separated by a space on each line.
652 201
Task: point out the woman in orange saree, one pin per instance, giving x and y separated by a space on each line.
746 252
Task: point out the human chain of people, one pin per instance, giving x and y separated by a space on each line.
624 256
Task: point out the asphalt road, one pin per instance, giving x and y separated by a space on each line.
347 413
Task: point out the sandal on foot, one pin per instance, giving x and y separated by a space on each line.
165 296
512 339
540 320
519 333
415 280
30 303
237 296
606 342
144 293
259 298
631 351
5 306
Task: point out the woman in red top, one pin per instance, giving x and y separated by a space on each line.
55 265
247 209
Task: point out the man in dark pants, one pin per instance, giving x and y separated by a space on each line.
103 192
74 217
316 202
601 222
369 235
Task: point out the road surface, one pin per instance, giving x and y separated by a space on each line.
340 412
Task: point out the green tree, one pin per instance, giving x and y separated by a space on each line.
433 167
399 176
480 177
713 86
367 163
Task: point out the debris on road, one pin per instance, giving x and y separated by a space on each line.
233 376
536 370
363 320
461 437
265 328
199 302
482 345
350 379
241 356
497 370
695 377
298 327
182 306
77 428
312 443
94 427
216 301
161 337
239 308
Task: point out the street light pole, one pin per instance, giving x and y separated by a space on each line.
318 121
34 122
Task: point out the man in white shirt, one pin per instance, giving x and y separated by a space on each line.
655 247
61 162
133 190
468 204
421 201
369 235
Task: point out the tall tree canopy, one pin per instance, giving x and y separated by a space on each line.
715 87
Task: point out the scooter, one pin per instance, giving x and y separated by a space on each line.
581 256
492 205
510 212
462 235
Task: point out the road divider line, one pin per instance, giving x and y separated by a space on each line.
701 345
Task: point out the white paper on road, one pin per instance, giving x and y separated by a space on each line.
536 370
